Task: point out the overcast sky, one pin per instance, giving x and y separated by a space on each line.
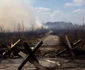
59 10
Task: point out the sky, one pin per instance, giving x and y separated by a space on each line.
59 10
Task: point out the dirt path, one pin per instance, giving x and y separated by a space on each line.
50 63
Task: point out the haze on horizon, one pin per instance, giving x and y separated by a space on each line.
30 14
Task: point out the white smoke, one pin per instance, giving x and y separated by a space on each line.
15 12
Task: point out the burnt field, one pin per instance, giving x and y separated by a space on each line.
59 50
42 35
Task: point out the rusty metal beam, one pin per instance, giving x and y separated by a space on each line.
69 46
31 57
10 47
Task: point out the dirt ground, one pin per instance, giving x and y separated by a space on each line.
57 63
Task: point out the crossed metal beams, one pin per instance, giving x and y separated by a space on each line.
9 48
31 57
69 46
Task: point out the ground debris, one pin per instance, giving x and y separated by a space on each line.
65 64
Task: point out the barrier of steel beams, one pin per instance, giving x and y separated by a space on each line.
31 56
69 46
9 48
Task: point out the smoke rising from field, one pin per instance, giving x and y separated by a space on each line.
15 14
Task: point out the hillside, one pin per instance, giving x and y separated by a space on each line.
58 25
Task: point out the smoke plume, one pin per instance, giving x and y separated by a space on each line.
15 14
